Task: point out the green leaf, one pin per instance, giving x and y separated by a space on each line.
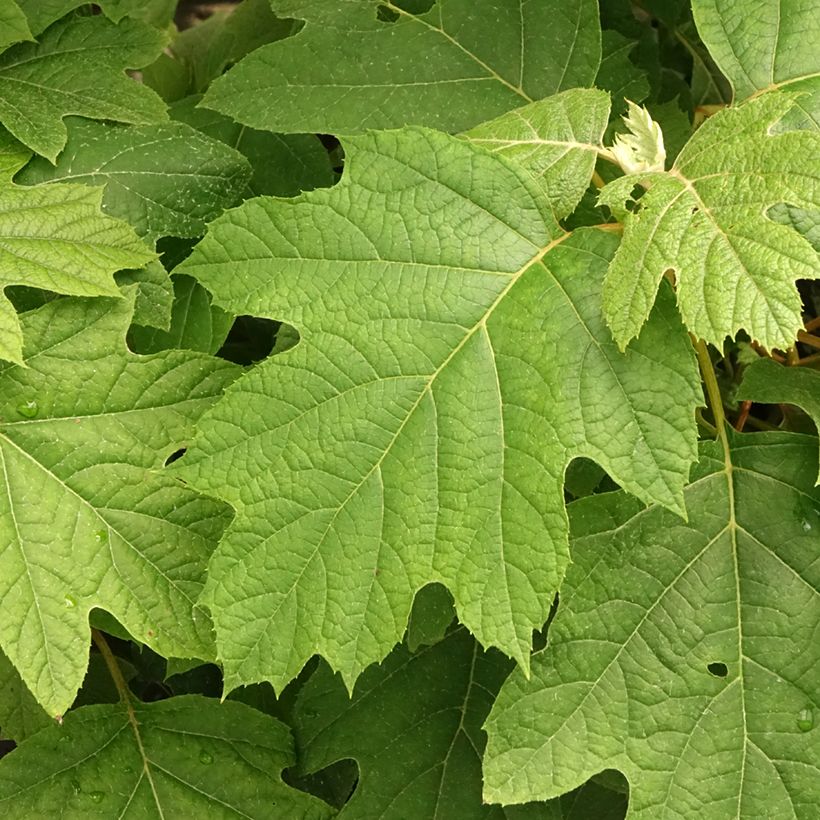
20 715
165 180
56 238
706 221
196 324
154 302
77 68
430 617
449 68
617 73
557 139
13 24
13 156
87 518
187 756
452 361
768 382
42 13
413 725
283 164
683 654
760 46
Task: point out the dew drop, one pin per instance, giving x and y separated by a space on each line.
206 757
101 536
75 786
805 720
28 409
806 526
96 797
70 602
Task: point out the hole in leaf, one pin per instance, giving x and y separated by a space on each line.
695 209
719 670
174 456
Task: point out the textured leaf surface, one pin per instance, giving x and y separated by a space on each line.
684 655
449 68
13 24
20 714
283 164
760 46
155 294
768 382
56 238
77 67
413 725
184 757
86 518
447 372
165 180
706 221
557 139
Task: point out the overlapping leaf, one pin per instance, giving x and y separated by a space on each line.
557 139
13 24
761 46
449 68
165 180
683 654
77 67
55 237
86 518
20 714
706 221
185 757
768 382
447 372
413 725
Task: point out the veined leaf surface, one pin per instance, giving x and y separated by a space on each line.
86 517
683 654
449 68
452 361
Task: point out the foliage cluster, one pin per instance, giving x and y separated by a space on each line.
409 409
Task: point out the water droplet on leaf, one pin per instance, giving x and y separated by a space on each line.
28 409
805 720
806 526
96 797
206 757
70 601
101 536
75 786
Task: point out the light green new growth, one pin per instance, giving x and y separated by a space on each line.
641 150
165 180
77 67
87 518
449 68
705 220
682 652
189 756
557 140
56 238
452 361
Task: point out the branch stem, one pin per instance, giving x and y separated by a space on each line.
113 667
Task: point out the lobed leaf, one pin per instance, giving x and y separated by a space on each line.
452 362
705 220
683 654
77 67
165 180
87 518
188 756
447 68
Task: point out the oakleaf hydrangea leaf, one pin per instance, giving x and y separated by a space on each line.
77 67
20 714
448 68
557 139
617 74
770 383
683 654
13 155
55 237
641 149
452 361
154 302
87 518
165 180
413 726
761 46
13 24
706 221
188 756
